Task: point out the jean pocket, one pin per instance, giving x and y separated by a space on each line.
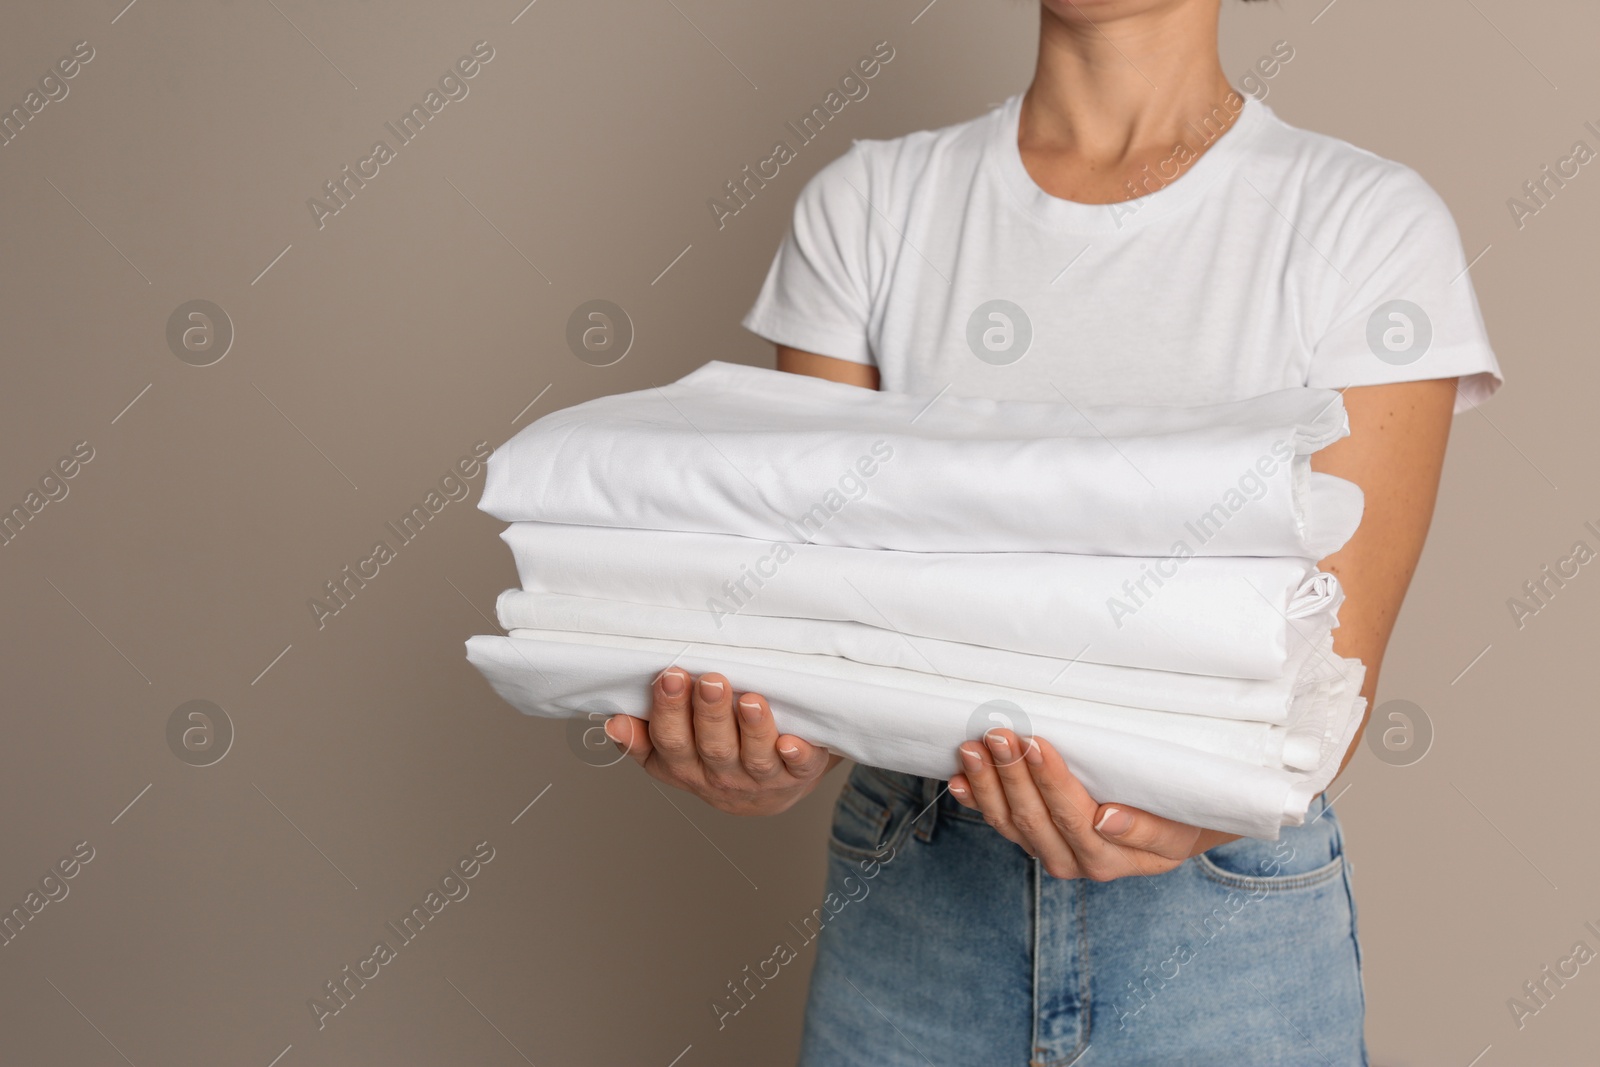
1302 857
862 819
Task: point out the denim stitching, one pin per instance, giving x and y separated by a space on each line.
1270 884
1085 1003
1355 937
1036 906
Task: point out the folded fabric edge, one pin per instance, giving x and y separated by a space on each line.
505 662
1330 423
1298 800
1326 711
1310 641
1327 509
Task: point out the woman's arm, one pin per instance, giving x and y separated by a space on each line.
1395 453
834 370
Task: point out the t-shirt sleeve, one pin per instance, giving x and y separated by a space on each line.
1405 309
816 294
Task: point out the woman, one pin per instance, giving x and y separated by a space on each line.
1128 230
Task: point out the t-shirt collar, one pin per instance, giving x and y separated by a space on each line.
1225 150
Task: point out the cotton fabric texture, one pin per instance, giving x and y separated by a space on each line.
1224 774
1222 615
1267 700
1004 534
743 450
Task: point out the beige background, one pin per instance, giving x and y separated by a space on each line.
426 316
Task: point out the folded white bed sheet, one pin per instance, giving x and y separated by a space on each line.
764 454
1229 616
1268 700
1239 777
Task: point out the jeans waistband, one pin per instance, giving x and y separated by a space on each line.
934 794
928 798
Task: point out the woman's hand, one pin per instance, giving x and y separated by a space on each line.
1024 790
728 754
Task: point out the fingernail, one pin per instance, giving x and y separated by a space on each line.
750 709
1032 753
791 752
710 690
971 759
958 790
672 684
613 733
1000 747
1114 822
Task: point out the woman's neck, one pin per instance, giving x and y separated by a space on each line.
1113 93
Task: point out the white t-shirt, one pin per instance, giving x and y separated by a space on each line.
1281 257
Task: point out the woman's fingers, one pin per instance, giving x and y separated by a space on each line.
1069 803
1128 827
1016 760
1027 793
716 735
1147 847
1008 754
1072 814
988 795
961 789
758 739
671 725
803 760
632 734
728 753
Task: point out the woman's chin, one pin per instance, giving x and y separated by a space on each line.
1089 12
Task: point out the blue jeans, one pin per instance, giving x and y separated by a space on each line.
944 943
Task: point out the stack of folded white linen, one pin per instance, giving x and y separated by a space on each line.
896 574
